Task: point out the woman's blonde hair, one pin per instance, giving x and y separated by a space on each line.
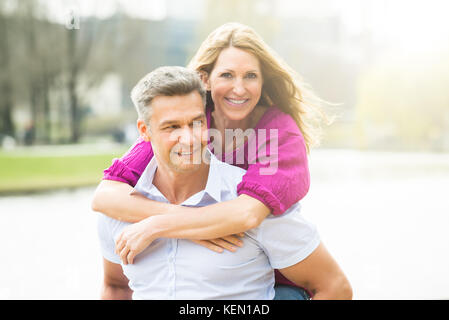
282 86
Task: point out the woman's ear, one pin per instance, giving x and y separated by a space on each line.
205 79
143 130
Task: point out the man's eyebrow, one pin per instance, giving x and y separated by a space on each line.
201 115
167 122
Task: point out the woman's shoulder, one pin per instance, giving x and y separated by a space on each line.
275 118
140 151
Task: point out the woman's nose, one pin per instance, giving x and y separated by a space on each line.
239 88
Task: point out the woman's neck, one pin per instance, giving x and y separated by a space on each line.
221 123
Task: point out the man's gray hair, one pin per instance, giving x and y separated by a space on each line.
164 81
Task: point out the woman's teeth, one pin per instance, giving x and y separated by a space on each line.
237 101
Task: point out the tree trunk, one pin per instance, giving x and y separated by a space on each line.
33 82
75 118
74 109
46 105
6 103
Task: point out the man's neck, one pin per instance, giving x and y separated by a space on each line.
177 187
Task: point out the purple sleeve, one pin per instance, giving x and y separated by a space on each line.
130 167
288 180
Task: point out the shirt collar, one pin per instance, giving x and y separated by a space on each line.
213 186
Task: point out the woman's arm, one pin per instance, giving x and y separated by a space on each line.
214 221
118 200
279 177
219 222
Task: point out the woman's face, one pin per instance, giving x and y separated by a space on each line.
235 83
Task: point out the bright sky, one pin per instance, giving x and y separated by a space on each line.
147 9
414 24
411 25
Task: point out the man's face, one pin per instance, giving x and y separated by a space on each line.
178 131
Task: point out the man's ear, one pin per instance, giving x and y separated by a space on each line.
143 130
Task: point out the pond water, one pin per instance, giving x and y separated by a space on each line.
383 216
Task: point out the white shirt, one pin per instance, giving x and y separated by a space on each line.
181 269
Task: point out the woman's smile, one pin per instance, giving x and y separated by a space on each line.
236 102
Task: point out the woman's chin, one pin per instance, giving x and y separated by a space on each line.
236 113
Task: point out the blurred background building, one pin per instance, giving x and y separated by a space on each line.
68 68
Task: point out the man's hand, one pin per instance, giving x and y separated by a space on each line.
133 240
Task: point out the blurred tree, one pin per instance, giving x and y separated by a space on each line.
77 55
48 60
51 68
28 25
6 102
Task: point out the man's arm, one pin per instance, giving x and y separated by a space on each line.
115 284
320 274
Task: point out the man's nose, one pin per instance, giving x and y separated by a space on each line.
186 136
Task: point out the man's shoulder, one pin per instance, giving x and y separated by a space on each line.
228 173
108 224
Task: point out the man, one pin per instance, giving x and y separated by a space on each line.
183 171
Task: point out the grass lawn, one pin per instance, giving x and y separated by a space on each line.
35 170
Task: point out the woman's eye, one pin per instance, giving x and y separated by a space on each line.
251 76
226 75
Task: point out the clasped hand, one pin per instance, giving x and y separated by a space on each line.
138 236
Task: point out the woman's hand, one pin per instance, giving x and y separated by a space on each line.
134 239
217 245
138 236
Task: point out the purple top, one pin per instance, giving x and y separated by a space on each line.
278 190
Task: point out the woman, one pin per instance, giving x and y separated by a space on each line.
248 87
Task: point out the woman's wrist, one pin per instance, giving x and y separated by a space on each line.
156 227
